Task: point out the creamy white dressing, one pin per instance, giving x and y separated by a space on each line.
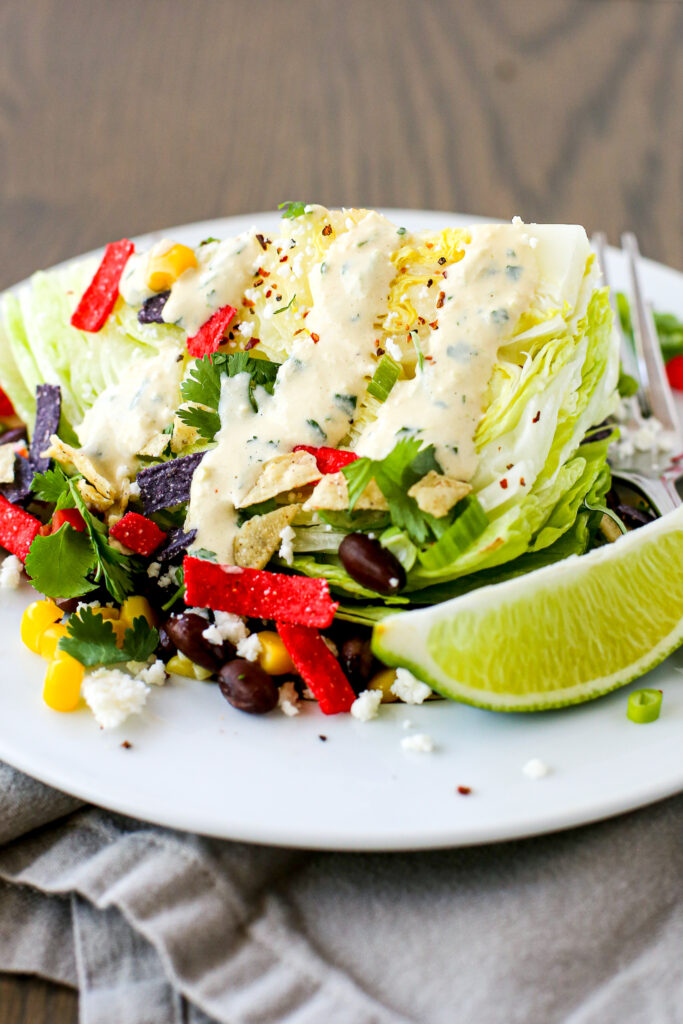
127 414
316 389
482 299
224 271
133 286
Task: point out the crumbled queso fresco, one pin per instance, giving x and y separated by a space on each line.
10 573
113 695
418 743
366 706
409 689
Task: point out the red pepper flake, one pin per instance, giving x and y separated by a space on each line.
430 283
315 337
318 668
441 299
263 273
327 230
138 533
258 282
248 303
305 314
17 528
509 465
269 293
127 745
380 352
252 343
283 259
537 417
98 299
328 460
464 790
298 600
522 481
429 245
263 242
441 261
504 484
210 335
434 324
298 332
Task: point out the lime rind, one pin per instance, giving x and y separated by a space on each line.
608 609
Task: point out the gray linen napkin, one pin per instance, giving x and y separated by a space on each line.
160 927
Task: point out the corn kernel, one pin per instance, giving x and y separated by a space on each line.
274 657
36 619
383 681
62 689
134 607
47 645
182 666
167 267
106 613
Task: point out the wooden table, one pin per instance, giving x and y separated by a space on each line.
121 117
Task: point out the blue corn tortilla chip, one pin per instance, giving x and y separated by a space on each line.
48 410
20 489
176 542
167 483
152 308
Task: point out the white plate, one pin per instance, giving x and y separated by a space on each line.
197 764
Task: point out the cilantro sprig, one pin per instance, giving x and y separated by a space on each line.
394 475
92 641
61 561
292 208
202 387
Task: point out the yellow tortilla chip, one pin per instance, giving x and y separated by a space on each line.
283 473
259 538
62 452
155 447
332 494
6 463
436 495
92 497
182 436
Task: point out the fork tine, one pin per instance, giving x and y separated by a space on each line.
655 381
626 353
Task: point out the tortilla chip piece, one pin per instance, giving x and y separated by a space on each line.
332 494
155 447
436 494
6 463
116 511
182 436
62 452
92 497
283 473
259 538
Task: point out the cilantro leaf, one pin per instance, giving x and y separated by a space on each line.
113 567
59 563
407 463
292 209
206 421
92 641
53 486
202 387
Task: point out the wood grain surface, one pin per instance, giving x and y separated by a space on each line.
121 116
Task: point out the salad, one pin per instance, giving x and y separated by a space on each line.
246 454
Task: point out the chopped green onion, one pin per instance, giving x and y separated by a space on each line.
644 705
467 527
420 357
401 546
384 378
283 309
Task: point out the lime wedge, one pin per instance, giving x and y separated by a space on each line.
563 634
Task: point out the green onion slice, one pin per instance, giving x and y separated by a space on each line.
644 705
384 378
470 523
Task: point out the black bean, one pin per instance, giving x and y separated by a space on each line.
152 308
357 660
247 687
68 604
634 517
371 565
166 648
185 631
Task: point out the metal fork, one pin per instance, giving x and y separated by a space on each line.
654 478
